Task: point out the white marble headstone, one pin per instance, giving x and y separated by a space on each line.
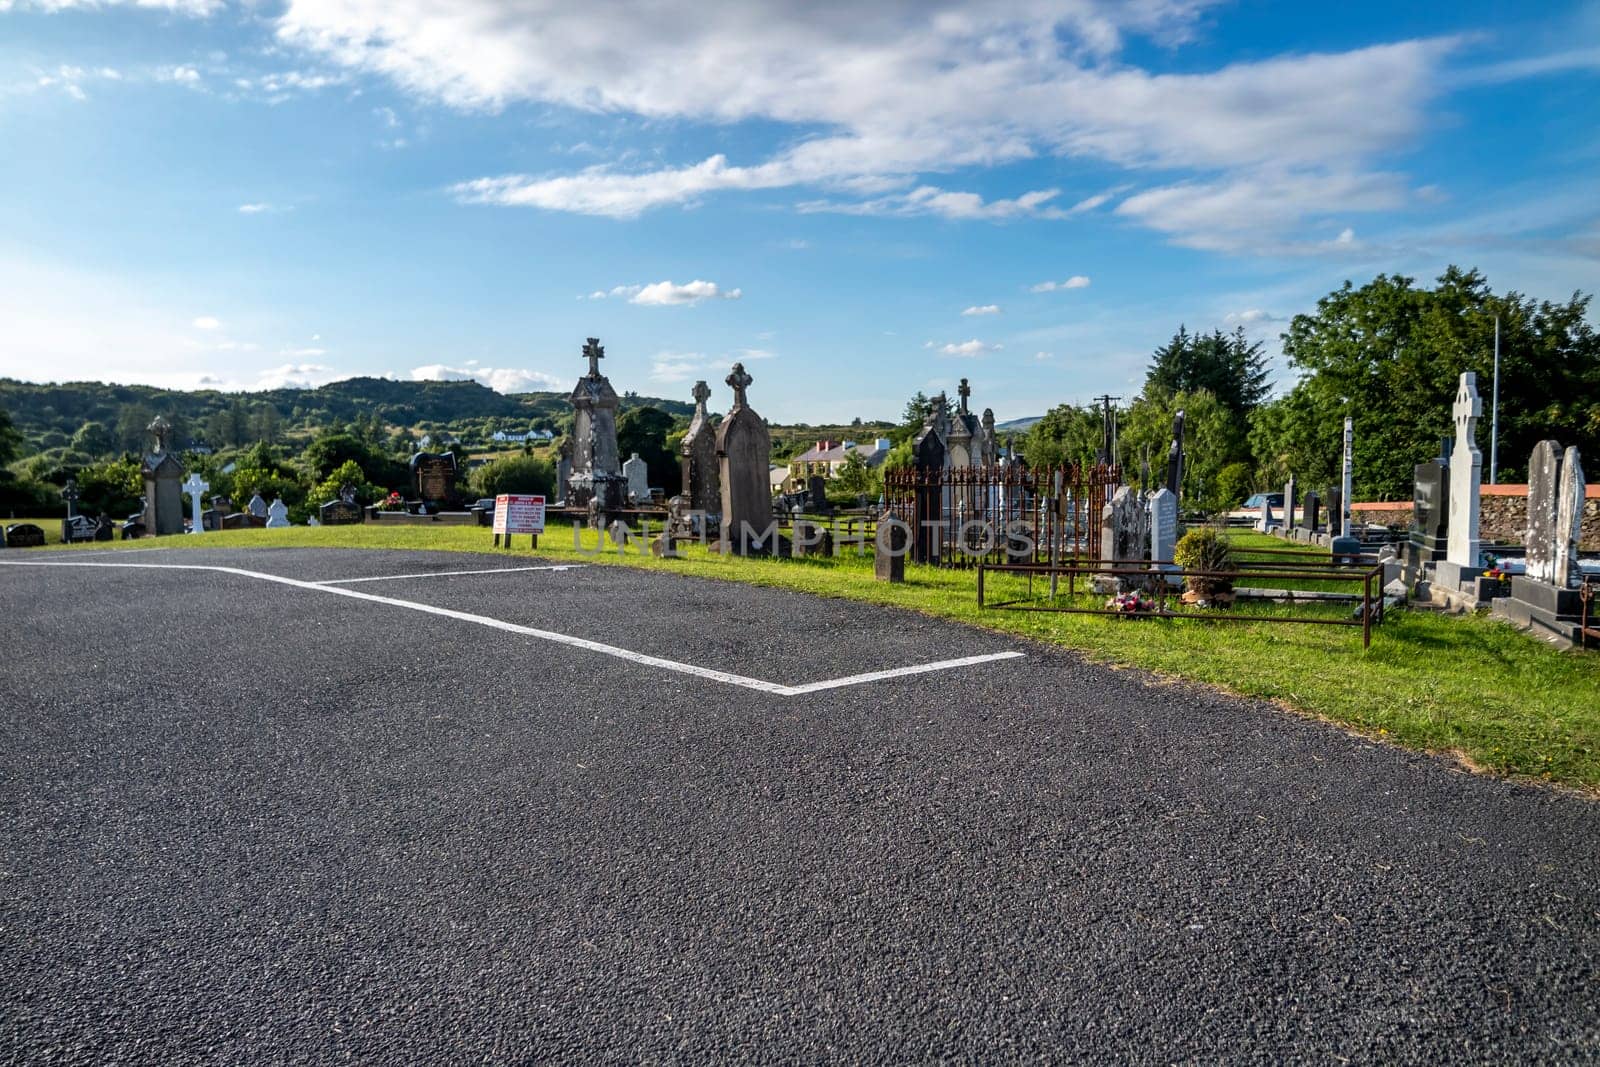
1466 475
196 487
277 515
1342 520
1569 520
638 474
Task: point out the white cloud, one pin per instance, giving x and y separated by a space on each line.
982 309
1251 317
206 322
663 294
881 94
500 379
180 75
1077 281
669 367
1251 212
296 376
182 7
965 349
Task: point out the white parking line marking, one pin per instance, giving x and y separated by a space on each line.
725 677
448 574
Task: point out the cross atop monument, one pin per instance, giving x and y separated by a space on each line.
162 430
1467 410
964 392
594 352
739 381
69 492
702 393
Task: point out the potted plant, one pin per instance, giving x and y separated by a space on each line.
1205 549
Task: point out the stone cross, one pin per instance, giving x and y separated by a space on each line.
739 381
162 429
594 352
702 393
1466 474
195 486
277 515
965 391
69 493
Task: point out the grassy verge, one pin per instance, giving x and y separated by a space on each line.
1466 686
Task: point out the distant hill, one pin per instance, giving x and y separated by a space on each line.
40 410
1018 425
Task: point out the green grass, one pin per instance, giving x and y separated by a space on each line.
1461 685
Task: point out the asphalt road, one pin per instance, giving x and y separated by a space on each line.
245 821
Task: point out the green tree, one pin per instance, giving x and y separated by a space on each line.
1227 365
112 488
855 477
1213 438
347 474
10 440
132 432
94 438
1066 434
1389 355
514 474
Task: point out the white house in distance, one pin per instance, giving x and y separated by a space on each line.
827 457
501 437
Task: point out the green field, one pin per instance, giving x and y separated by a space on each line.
1465 686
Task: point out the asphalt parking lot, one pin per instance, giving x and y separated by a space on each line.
600 813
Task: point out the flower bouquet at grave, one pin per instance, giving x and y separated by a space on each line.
1131 605
1205 549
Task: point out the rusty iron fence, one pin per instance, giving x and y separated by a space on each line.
1589 625
962 516
1157 580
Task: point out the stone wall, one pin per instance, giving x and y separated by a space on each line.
1502 515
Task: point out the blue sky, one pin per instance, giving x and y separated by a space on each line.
857 200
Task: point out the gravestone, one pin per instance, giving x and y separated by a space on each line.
341 512
1569 521
1430 513
701 479
277 515
1124 532
1466 477
637 472
211 518
1310 511
928 458
1288 503
891 544
1175 456
1544 505
433 477
1267 522
1339 515
24 535
817 493
596 465
810 539
163 477
744 462
563 469
257 506
75 527
1163 520
195 488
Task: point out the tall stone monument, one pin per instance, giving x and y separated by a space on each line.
701 480
1544 479
1346 477
744 460
1544 600
196 487
1163 505
1175 456
163 483
596 468
929 458
1466 477
1570 492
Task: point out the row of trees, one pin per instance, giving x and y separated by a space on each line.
1388 355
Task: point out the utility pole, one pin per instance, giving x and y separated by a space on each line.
1494 420
1108 429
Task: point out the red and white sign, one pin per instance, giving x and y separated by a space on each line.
518 514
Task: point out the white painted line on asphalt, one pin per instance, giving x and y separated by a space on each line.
448 574
725 677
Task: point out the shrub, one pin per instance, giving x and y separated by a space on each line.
1205 549
514 474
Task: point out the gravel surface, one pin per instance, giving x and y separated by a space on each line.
244 822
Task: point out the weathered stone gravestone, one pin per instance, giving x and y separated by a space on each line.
1163 520
76 526
563 469
277 515
817 493
892 542
701 479
1466 477
195 488
810 539
433 477
1288 503
1310 511
257 506
596 466
1570 492
24 535
1124 535
744 459
163 476
1341 522
637 472
1544 479
1175 456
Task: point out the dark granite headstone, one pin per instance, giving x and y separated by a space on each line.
1430 507
1310 511
927 453
104 528
433 476
24 535
78 527
1335 512
340 513
889 559
817 492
